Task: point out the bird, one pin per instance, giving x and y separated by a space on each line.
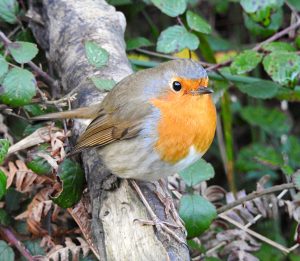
153 123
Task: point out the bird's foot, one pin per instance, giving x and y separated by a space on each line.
161 226
165 198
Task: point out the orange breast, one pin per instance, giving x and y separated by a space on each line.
186 121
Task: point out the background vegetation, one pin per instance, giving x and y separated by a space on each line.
251 52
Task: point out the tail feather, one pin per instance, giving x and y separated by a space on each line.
80 113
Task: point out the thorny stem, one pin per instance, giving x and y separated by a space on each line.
259 45
48 79
255 194
12 239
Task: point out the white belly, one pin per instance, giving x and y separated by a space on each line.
128 159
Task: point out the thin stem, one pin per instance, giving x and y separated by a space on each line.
255 194
48 79
12 239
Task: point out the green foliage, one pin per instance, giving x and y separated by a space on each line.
9 10
39 166
197 23
96 55
5 218
23 52
170 7
197 214
6 251
3 180
260 89
283 67
4 145
245 62
103 84
72 178
3 66
197 172
272 121
175 39
137 42
19 87
278 46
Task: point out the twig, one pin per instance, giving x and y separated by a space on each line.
254 234
259 45
254 195
12 239
156 54
48 79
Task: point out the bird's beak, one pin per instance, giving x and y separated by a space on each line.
202 90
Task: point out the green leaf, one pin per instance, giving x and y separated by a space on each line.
295 4
278 46
255 5
72 178
197 23
23 52
197 214
260 89
19 87
197 172
8 11
34 247
5 218
96 55
3 66
258 157
39 166
12 200
170 7
6 252
283 67
245 62
3 180
103 84
272 121
4 145
175 39
137 42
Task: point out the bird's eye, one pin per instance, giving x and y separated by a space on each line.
176 86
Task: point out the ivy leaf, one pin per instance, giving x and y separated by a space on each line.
197 23
72 178
175 39
170 7
255 5
6 251
3 66
283 67
272 121
96 55
103 84
295 4
4 145
39 165
197 172
197 214
259 89
8 11
278 46
5 218
245 62
3 180
137 42
34 247
23 52
19 87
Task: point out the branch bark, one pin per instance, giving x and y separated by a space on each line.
61 27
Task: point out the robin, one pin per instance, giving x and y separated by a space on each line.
153 123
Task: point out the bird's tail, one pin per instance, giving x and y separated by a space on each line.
80 113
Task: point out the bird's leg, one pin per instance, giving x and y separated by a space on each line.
159 224
165 198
